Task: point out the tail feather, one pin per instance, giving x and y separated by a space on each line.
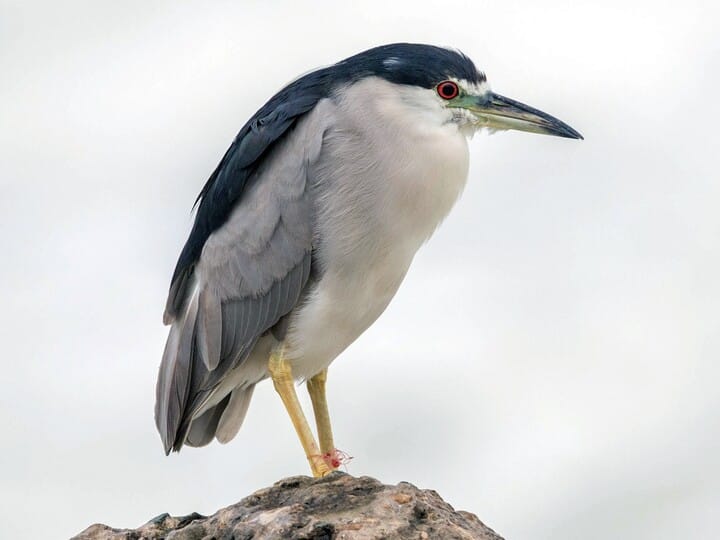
234 414
203 428
174 377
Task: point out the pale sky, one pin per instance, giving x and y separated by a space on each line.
550 363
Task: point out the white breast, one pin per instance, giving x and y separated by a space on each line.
404 164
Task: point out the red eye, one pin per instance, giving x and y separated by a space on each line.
447 90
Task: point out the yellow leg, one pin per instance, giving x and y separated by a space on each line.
281 373
316 389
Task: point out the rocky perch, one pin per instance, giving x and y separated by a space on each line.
336 507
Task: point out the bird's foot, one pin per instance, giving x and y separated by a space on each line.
319 466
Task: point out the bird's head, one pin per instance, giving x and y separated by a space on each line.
447 80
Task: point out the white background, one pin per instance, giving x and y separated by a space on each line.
551 361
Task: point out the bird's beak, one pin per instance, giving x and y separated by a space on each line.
498 112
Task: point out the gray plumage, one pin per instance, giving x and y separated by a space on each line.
308 225
251 273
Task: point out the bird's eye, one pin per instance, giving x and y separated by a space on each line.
447 90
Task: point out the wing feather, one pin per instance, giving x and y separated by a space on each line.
209 331
250 273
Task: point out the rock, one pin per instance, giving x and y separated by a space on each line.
336 507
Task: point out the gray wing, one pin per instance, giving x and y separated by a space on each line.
251 273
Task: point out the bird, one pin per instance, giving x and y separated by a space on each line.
307 226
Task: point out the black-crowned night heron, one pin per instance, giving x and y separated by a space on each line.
307 227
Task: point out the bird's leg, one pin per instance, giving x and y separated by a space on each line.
316 389
281 373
